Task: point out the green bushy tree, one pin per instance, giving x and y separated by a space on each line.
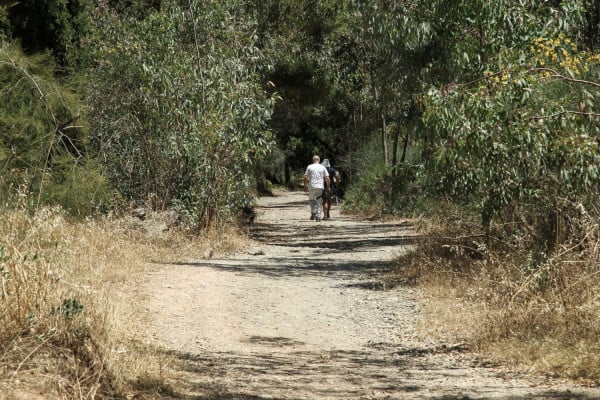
51 25
43 137
523 136
292 34
180 112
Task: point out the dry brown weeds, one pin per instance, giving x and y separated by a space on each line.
68 300
487 291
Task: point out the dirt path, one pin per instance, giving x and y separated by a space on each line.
303 316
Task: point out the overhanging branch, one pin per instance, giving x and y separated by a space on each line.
556 74
566 112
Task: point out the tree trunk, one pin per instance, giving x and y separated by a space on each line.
384 134
287 178
405 146
395 152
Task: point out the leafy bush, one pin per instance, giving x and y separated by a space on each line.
369 190
178 111
522 137
377 187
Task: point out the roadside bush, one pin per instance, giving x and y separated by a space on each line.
178 110
521 137
369 191
385 189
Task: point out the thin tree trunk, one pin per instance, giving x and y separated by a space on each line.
384 135
405 146
395 151
288 176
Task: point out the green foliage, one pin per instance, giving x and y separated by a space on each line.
70 308
346 71
4 23
474 30
293 34
42 138
375 67
591 28
179 113
523 134
393 190
512 137
55 25
82 190
135 8
370 190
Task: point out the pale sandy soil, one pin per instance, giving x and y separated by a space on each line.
303 315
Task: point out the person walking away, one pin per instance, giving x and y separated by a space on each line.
334 181
316 180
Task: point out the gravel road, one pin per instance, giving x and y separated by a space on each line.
303 315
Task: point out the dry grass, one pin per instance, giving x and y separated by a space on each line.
68 301
542 317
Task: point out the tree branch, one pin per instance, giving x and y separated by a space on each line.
556 74
558 114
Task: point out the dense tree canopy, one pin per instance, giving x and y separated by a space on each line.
190 101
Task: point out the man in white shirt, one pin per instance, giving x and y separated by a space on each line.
316 179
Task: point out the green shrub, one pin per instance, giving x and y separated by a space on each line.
369 191
43 137
178 112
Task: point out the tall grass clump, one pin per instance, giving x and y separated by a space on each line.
535 307
50 311
66 303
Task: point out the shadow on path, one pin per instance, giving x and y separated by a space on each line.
284 267
350 249
378 373
354 254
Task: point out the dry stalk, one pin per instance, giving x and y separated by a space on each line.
67 308
519 303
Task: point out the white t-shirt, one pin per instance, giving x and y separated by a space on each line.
316 174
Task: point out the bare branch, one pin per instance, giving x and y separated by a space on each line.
452 86
556 74
558 114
